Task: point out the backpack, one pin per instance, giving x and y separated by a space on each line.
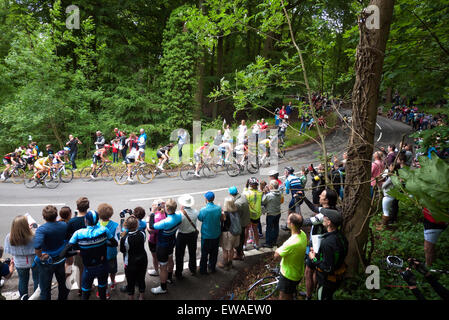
235 228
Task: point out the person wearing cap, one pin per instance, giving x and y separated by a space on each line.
243 210
49 241
92 242
166 241
293 184
272 200
187 235
329 260
254 197
211 217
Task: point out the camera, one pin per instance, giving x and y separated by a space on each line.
124 212
7 261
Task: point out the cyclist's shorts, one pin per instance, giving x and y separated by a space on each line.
197 157
163 253
96 159
38 166
286 285
56 161
159 154
129 160
6 161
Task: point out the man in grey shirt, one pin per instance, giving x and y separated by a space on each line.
243 209
100 141
271 200
187 236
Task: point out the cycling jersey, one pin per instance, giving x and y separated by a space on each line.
293 184
167 229
92 243
42 162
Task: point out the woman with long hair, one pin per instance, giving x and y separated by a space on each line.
19 244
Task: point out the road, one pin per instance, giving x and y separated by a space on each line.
16 199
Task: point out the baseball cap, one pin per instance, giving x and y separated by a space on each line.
333 215
91 217
209 196
233 190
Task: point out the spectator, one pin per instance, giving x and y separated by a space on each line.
318 182
187 236
19 244
157 214
432 231
132 245
230 232
100 142
142 143
49 241
254 197
292 254
139 212
49 150
282 113
329 260
73 145
166 240
65 214
123 147
105 213
92 242
6 271
243 129
282 130
210 216
293 184
391 155
115 148
182 140
387 200
226 131
75 224
241 203
377 167
272 201
288 110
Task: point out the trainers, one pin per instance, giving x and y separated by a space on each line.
108 296
169 281
153 273
92 177
158 290
196 175
129 179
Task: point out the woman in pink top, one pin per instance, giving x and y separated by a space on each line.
377 167
158 214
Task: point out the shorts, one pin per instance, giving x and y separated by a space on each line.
129 160
286 285
112 265
159 155
257 221
197 157
6 161
163 253
96 159
432 235
228 241
56 161
152 247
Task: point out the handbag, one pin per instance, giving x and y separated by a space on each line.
194 226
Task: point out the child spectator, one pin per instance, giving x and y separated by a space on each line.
65 214
105 213
132 245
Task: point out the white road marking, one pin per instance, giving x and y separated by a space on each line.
380 128
30 205
178 195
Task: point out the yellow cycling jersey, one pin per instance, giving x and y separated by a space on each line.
42 161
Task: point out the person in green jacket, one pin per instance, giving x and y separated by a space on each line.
254 197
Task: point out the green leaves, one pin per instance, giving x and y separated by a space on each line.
426 187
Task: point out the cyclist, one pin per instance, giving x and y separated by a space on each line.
163 154
42 164
267 144
198 155
133 156
99 156
58 159
10 159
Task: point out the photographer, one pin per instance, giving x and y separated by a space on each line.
73 145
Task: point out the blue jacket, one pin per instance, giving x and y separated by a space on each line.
211 224
167 229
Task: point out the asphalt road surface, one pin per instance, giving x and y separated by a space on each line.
17 199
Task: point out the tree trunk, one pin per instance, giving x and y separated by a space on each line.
368 67
200 88
220 57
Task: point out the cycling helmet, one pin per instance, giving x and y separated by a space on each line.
253 181
290 170
107 146
273 173
245 142
66 149
206 144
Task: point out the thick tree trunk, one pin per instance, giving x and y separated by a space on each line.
220 56
368 67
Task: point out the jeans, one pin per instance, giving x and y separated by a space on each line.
184 240
303 125
209 254
114 157
24 277
272 232
46 272
72 159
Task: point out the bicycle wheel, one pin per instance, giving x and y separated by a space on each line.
252 168
107 173
262 289
17 176
171 169
121 176
66 175
208 172
51 180
281 153
233 169
29 181
85 174
187 172
145 174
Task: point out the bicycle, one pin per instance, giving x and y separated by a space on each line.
187 171
65 174
171 169
50 179
105 171
142 171
267 286
235 167
16 174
